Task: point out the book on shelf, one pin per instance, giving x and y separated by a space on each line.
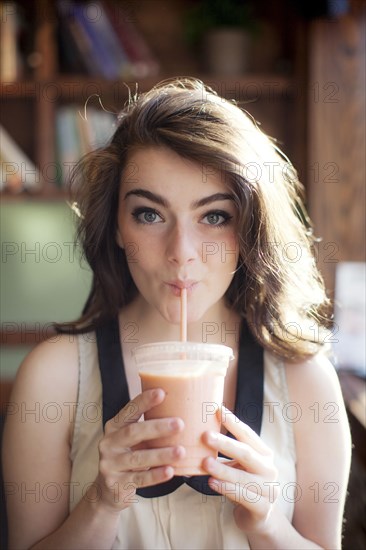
11 62
76 46
68 149
111 61
143 60
74 55
77 135
18 172
104 42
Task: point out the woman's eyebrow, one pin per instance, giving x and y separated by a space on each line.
212 198
158 199
148 195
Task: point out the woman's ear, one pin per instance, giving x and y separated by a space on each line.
119 239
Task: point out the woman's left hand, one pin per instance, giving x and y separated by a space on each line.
249 479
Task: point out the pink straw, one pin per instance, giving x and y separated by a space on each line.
183 315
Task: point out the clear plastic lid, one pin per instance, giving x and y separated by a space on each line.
158 351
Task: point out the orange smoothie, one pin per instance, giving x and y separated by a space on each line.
194 391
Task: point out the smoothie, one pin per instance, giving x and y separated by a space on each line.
192 376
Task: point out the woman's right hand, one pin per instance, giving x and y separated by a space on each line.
124 462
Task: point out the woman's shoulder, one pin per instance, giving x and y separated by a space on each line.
320 414
314 377
310 387
50 369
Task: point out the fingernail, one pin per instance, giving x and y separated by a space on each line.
168 471
212 436
210 463
214 483
175 424
158 393
178 452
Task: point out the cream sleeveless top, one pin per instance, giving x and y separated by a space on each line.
184 519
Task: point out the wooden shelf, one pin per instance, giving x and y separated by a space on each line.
5 392
72 88
264 92
48 194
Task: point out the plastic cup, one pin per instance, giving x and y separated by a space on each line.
192 376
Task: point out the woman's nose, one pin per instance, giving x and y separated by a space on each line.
182 246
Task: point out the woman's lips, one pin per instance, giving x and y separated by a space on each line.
176 286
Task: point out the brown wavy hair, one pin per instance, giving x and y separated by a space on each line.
277 287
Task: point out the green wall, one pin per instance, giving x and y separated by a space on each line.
42 277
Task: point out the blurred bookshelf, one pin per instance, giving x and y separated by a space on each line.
60 53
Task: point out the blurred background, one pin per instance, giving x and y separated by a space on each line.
297 66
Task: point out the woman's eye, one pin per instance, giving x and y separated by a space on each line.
149 217
216 218
146 215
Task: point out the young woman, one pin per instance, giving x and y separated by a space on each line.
188 194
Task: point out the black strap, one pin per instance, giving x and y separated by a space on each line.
114 383
249 387
248 402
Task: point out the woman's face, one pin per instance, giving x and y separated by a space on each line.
177 224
